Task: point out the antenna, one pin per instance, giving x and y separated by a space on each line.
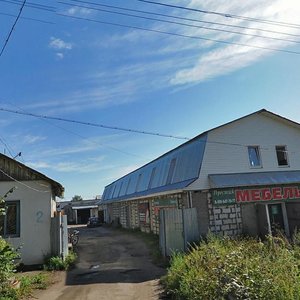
19 154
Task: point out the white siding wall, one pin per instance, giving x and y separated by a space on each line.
35 218
258 130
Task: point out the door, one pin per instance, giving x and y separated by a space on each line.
276 218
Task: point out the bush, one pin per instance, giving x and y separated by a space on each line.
225 268
7 269
56 263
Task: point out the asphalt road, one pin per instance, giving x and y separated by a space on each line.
111 265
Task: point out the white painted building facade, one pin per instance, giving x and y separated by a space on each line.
29 209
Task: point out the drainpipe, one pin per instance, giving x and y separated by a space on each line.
190 197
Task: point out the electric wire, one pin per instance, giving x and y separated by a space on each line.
131 130
227 15
22 183
30 5
182 24
186 19
92 124
6 146
12 28
179 35
27 18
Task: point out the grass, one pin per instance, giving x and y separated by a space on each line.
243 268
39 281
57 263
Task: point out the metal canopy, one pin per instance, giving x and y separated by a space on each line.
253 179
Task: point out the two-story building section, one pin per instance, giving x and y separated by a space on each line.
242 177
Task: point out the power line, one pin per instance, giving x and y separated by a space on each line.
12 28
22 183
182 24
180 35
32 5
26 18
92 124
6 146
123 129
227 15
186 19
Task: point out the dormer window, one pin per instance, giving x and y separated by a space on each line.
282 157
254 157
171 171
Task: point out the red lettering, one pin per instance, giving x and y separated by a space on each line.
288 193
266 194
255 195
242 196
276 193
297 193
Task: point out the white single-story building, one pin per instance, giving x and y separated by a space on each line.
30 201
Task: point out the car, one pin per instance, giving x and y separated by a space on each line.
93 222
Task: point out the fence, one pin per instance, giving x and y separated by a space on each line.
59 236
178 228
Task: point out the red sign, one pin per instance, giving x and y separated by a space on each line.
267 194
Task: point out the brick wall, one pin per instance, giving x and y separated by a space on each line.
225 220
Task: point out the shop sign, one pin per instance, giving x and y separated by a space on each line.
245 195
165 203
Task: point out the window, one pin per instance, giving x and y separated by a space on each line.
282 158
127 188
10 222
171 171
254 156
152 178
138 183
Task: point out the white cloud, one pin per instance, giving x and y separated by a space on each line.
30 139
59 44
223 59
75 10
60 55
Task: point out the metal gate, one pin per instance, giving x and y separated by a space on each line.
178 228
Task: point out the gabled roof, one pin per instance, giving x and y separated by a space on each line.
130 185
20 172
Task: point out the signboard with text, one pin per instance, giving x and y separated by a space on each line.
255 194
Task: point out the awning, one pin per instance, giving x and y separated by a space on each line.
84 207
253 179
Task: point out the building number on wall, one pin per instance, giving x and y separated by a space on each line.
39 216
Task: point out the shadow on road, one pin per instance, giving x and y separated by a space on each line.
106 255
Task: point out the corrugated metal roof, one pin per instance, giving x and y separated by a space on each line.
253 179
173 170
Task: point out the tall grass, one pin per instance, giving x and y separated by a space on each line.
244 268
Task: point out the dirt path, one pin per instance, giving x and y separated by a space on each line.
111 265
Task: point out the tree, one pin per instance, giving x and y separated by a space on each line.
76 198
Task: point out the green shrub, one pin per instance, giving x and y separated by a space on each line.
7 269
57 263
225 268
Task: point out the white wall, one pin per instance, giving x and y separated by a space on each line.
35 216
257 130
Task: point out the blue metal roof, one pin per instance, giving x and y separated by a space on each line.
171 171
253 179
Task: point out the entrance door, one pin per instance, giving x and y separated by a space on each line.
276 218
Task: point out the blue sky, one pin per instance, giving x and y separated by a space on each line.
118 76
